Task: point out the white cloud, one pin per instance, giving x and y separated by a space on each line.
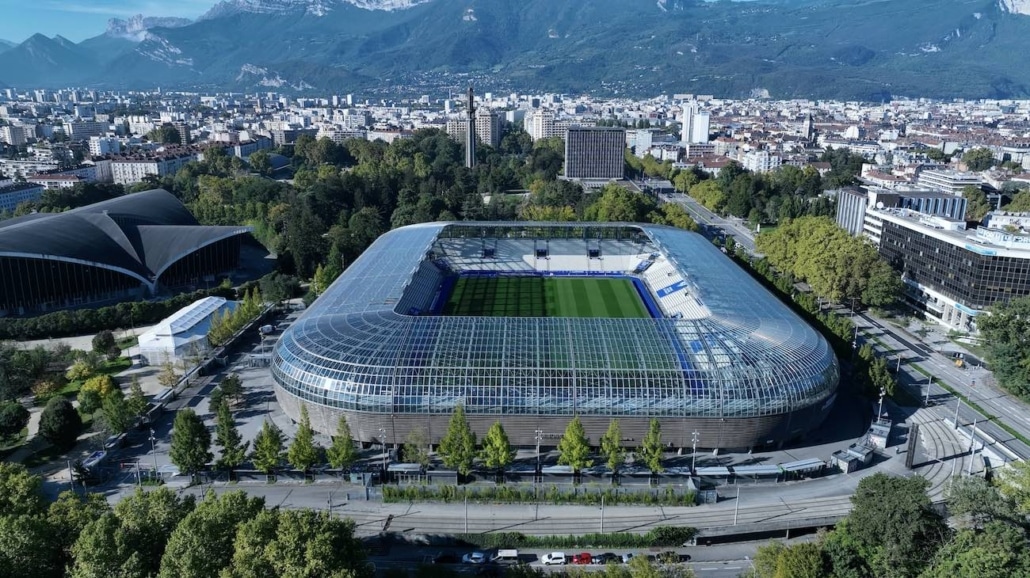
127 8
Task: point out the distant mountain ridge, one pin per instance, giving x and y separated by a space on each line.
136 27
871 50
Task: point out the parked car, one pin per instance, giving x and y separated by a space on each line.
554 559
583 558
474 558
627 557
607 558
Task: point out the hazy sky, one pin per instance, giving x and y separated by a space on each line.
81 19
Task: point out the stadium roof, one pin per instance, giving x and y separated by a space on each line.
750 356
140 235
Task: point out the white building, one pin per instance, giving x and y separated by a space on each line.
184 333
131 170
102 145
761 161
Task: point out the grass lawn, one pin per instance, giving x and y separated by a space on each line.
545 297
108 368
127 342
12 443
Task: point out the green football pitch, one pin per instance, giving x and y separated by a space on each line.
545 297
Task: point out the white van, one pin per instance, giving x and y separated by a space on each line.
554 559
506 556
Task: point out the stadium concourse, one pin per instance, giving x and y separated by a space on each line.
531 324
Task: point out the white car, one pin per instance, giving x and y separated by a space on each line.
554 559
474 558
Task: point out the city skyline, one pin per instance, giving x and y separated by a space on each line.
79 21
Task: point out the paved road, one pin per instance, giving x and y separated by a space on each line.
976 384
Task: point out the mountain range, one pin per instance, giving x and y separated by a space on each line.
850 49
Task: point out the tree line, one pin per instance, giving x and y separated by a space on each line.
894 531
159 533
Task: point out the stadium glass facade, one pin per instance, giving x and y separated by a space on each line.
719 355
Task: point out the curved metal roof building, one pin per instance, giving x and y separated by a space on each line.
109 248
720 356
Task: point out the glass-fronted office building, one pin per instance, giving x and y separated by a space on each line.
718 355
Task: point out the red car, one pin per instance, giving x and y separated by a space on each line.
584 558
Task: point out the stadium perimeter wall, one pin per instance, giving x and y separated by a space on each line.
727 433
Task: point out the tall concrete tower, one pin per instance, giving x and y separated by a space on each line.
470 132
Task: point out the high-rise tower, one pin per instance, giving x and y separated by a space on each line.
470 132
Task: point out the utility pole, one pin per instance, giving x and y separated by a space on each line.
466 513
929 383
330 501
602 513
879 412
958 404
693 451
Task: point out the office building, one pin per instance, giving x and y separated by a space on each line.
948 181
852 203
595 153
953 274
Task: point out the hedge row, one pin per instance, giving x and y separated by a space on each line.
552 495
82 321
659 537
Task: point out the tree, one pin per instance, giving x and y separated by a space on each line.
297 543
977 205
232 448
458 446
232 388
977 501
574 447
268 448
202 544
978 159
90 402
1014 485
103 341
497 451
13 418
304 452
60 424
999 550
341 453
611 447
116 413
103 385
130 541
28 547
136 403
191 442
260 162
1006 339
651 450
801 561
69 515
416 447
894 520
168 377
1020 203
21 493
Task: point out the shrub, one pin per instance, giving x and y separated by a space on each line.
104 385
60 423
45 389
13 418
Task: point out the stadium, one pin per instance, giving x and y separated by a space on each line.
531 324
126 248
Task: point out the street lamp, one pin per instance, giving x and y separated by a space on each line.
382 440
693 455
539 438
153 449
929 383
